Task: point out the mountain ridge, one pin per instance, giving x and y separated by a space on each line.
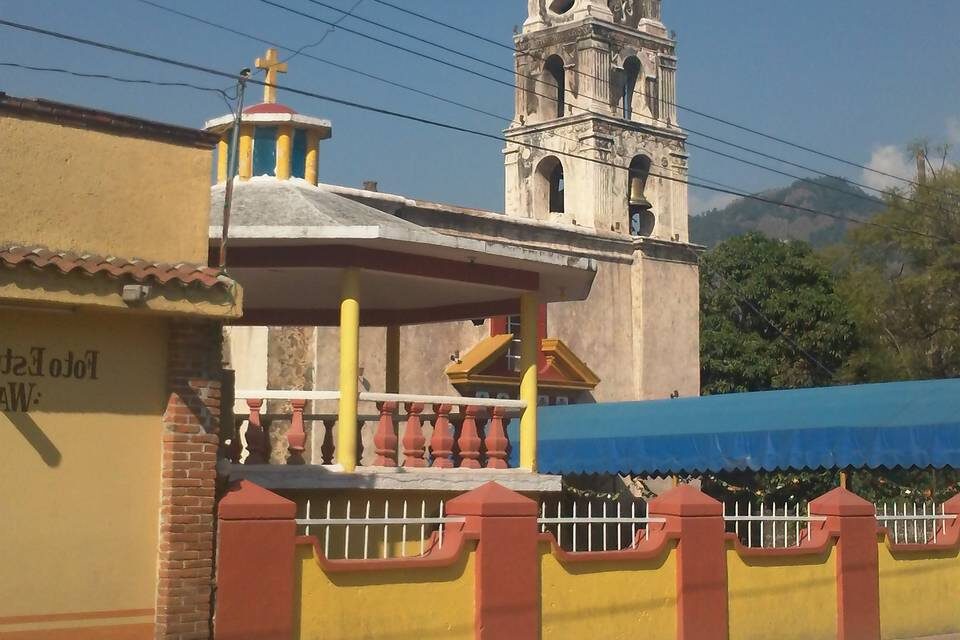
830 195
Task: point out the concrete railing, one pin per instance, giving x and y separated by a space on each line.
411 431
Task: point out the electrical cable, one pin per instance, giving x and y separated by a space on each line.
331 63
105 76
741 299
442 125
326 34
677 105
540 81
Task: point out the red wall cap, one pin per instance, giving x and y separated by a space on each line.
952 505
248 501
492 499
840 502
685 500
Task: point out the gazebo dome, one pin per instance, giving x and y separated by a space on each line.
269 107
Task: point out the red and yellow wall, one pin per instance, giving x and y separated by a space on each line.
497 576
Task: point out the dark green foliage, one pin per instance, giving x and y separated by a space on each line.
889 310
830 195
902 283
750 287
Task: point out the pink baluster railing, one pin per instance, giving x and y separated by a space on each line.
470 436
296 435
441 443
385 439
258 440
470 440
496 441
413 439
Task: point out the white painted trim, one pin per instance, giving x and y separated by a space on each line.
455 400
272 394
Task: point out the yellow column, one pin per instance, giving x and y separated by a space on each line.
245 170
284 145
349 369
223 156
313 155
529 309
393 360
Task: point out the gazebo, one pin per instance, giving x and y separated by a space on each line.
307 256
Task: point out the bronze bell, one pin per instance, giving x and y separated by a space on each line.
637 198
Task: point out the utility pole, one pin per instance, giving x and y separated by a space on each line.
232 166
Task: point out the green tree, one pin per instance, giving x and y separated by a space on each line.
770 317
902 281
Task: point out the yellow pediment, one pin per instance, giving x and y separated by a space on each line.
562 368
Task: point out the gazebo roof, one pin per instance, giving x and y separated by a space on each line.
289 241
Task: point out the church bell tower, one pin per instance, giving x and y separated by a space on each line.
595 140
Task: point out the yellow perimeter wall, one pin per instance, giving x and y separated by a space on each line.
919 593
418 603
78 189
610 600
80 475
782 597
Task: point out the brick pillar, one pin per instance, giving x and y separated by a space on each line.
697 520
190 440
853 520
507 582
256 540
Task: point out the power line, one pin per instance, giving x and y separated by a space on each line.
743 300
105 76
331 63
540 81
326 34
443 125
675 104
446 25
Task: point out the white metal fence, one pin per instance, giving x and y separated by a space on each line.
776 526
912 523
595 524
351 531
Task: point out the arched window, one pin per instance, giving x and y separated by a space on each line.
556 189
548 192
642 220
632 70
556 79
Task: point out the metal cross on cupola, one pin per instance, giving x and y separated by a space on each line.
272 65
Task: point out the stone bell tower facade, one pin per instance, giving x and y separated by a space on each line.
595 140
595 147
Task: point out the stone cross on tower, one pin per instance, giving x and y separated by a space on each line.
271 63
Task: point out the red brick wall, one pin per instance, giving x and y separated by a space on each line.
190 440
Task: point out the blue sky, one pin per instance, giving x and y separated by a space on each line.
858 79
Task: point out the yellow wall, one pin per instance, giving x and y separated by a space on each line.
627 599
424 604
782 597
919 593
80 472
71 188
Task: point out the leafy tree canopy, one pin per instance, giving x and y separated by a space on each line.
902 282
752 289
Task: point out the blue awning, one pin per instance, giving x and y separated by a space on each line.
875 425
